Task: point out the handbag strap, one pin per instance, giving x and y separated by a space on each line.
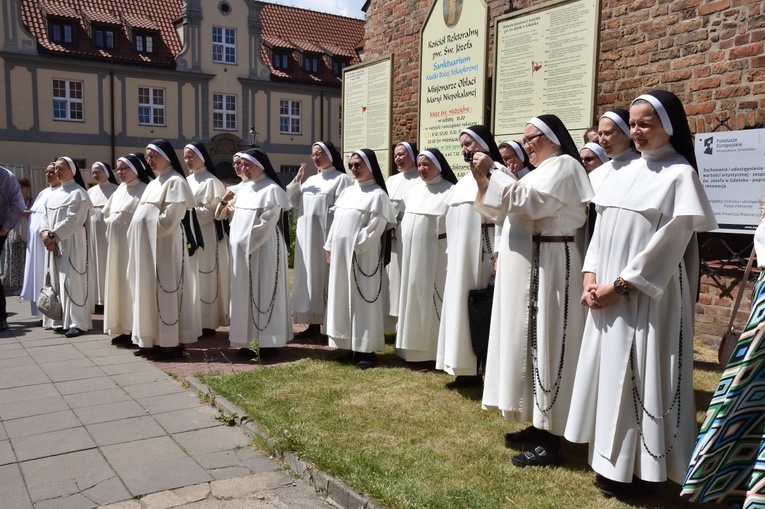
741 290
54 269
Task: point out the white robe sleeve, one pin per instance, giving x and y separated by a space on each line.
590 262
170 218
493 203
518 198
206 210
77 213
294 190
372 231
263 226
651 269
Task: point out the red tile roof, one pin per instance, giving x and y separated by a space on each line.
298 31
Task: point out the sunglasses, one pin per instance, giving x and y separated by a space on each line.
354 166
589 159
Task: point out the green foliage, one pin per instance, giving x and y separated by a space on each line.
293 227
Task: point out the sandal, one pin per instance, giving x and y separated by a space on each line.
540 456
530 434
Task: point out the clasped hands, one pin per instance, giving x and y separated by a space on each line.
597 296
48 241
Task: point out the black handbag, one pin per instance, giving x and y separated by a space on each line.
479 314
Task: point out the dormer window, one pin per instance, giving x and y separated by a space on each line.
311 64
281 60
61 32
144 43
103 38
338 66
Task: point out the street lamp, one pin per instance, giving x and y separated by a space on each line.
252 137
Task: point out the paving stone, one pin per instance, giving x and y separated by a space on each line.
57 365
52 443
169 402
203 441
125 504
137 365
242 486
3 432
125 430
157 387
194 493
112 359
162 500
6 453
108 412
93 398
76 501
22 375
63 352
37 424
188 419
65 375
87 385
66 474
37 391
108 491
28 408
155 464
22 360
34 343
15 495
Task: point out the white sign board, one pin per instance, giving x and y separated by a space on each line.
732 171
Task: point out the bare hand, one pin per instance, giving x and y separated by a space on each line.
329 256
228 196
300 174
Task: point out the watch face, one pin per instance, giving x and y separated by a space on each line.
618 288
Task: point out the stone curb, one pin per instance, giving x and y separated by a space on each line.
330 487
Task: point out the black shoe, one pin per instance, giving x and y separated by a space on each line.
624 490
163 354
142 352
422 366
365 360
206 333
3 325
74 332
524 436
246 353
463 381
58 330
123 340
312 332
99 310
539 456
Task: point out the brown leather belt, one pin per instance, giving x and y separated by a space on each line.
442 236
552 238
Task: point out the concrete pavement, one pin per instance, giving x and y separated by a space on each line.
84 424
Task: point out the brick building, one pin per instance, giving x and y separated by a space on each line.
710 53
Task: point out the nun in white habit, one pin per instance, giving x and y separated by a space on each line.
34 265
536 320
422 236
118 214
212 274
64 234
470 238
357 248
105 186
160 270
314 200
260 304
399 185
633 396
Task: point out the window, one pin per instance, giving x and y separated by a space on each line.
288 168
289 117
281 60
67 100
224 111
311 64
338 66
224 45
144 43
103 38
151 106
62 33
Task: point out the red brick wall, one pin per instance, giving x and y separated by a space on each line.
710 53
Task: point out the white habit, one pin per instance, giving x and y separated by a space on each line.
67 210
422 238
165 311
398 186
526 383
98 194
314 200
648 212
212 275
356 273
34 265
260 304
118 213
470 239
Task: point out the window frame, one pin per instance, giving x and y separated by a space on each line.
153 107
71 105
104 33
227 48
312 59
281 60
62 27
226 119
293 120
144 42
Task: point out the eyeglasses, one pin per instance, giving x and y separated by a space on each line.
527 141
354 166
589 159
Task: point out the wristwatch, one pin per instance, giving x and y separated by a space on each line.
620 288
51 235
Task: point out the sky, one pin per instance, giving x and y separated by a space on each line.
350 8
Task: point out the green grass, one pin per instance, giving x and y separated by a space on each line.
400 438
